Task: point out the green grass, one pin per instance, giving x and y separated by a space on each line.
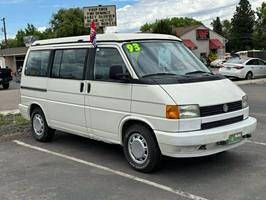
16 119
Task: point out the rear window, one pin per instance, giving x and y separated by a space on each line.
236 61
37 63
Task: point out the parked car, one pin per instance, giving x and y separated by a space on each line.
5 77
146 92
248 68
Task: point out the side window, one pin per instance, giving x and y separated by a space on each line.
69 63
37 63
252 62
105 58
261 62
57 63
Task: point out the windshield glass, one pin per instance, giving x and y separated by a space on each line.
160 58
236 60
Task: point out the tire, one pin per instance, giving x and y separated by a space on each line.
39 128
249 76
5 86
147 156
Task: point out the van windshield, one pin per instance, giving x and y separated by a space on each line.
163 58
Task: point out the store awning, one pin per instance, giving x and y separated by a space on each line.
216 44
189 44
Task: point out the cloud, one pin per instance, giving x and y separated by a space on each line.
11 1
42 29
132 17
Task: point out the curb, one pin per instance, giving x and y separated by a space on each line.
255 81
9 112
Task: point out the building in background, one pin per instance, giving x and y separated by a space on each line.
202 40
13 58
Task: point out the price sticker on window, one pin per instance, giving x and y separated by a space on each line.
133 47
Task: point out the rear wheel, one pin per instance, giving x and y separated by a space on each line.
5 86
141 149
40 130
249 76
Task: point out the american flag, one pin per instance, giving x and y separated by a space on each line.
93 34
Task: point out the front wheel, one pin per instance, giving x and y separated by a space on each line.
141 149
40 130
5 86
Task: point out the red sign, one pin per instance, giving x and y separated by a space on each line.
203 34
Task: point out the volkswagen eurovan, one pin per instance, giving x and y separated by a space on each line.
146 92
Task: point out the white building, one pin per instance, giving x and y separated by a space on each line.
202 40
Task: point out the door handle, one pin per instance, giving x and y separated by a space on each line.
89 88
81 87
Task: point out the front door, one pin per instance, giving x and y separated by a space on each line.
107 101
66 93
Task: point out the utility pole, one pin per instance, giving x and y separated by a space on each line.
4 25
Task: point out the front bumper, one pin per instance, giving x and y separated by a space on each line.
189 144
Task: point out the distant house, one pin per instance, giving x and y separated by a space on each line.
13 57
202 40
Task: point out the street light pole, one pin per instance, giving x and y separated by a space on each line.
4 24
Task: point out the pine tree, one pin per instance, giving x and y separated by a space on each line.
260 28
243 26
217 26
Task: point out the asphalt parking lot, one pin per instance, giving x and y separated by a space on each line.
73 167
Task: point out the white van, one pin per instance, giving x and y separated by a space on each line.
147 92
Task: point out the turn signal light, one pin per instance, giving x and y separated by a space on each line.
172 112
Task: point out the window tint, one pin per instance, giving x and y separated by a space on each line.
69 64
252 62
37 63
105 58
57 63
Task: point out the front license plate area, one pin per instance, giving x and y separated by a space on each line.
235 138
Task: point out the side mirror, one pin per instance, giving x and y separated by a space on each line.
116 73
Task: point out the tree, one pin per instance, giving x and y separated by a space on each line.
227 33
260 28
217 26
163 26
68 22
158 25
243 26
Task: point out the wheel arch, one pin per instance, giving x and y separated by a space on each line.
33 106
128 121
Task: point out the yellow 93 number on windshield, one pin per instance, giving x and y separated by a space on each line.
134 47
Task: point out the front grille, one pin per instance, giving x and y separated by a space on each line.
222 122
219 109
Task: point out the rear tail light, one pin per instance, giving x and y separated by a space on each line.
239 67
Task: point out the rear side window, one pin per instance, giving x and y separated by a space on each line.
253 62
37 63
69 63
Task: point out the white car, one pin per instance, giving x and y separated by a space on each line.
146 92
248 68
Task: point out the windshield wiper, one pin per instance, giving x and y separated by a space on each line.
160 74
199 72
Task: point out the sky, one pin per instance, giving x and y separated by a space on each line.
131 14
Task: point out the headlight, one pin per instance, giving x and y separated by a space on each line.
245 101
182 112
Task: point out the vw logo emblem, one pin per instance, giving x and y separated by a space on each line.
225 108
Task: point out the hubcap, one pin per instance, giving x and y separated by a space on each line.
138 148
38 124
